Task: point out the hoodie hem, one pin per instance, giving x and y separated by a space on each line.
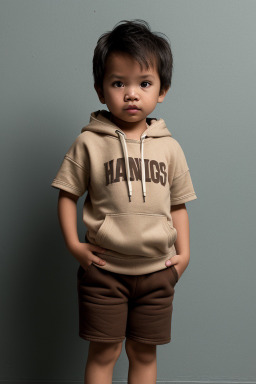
59 184
136 265
184 199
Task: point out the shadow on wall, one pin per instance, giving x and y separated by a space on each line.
41 325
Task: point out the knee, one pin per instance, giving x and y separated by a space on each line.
140 352
104 353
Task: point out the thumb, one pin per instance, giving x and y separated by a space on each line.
171 261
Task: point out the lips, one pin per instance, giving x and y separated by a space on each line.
132 107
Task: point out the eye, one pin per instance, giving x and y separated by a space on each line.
118 84
145 84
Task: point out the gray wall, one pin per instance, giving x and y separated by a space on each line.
46 97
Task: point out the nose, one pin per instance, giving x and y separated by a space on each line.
131 94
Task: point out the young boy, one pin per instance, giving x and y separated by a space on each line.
138 181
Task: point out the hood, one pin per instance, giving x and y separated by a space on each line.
100 122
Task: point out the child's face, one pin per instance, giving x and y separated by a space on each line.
130 93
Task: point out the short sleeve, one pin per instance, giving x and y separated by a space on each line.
73 174
181 189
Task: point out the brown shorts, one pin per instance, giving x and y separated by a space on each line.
113 306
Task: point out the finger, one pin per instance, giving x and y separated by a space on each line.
96 248
95 259
98 261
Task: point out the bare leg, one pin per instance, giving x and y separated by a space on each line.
101 361
142 362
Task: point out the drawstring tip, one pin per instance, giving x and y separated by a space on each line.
130 198
144 199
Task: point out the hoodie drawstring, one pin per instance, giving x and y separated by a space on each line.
143 168
127 167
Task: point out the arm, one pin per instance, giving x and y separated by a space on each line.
67 213
181 223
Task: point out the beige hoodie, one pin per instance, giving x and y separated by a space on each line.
131 186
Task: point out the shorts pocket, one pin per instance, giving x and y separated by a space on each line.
137 234
82 272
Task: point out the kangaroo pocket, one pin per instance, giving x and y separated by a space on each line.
139 234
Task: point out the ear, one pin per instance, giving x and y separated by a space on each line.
100 94
162 95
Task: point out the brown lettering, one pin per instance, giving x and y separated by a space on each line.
147 176
120 170
163 177
154 172
109 172
135 168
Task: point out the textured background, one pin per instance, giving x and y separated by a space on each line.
47 95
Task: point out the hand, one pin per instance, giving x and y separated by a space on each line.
180 261
83 252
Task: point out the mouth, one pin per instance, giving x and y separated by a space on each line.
132 108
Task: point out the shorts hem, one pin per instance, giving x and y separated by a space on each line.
101 340
149 341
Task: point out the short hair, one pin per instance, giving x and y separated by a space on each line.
136 39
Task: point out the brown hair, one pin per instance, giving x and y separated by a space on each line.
136 39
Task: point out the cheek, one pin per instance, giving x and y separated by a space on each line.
113 99
152 98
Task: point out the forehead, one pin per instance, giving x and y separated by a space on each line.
124 64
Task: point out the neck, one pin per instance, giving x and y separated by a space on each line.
131 130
